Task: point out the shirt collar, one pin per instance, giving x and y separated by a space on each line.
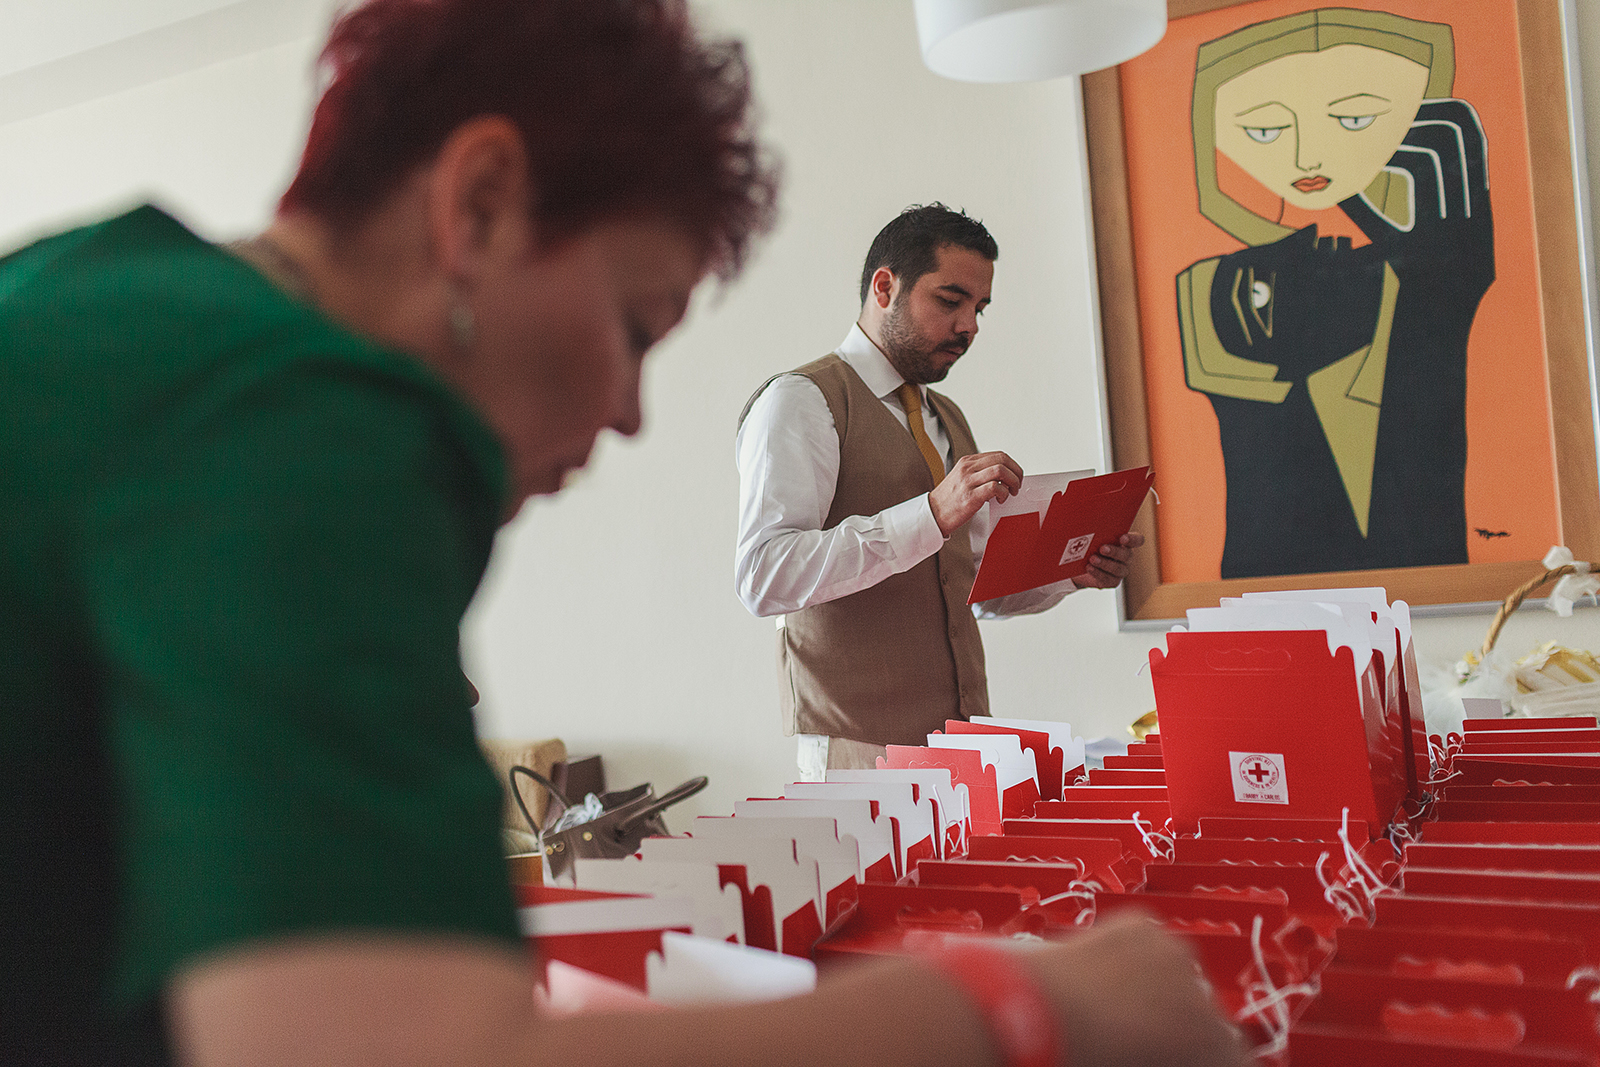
868 360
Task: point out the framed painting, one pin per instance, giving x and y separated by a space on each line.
1344 298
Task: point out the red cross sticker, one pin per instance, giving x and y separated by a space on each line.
1258 778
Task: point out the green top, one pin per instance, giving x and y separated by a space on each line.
236 542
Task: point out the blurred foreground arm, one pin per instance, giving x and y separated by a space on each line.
1127 995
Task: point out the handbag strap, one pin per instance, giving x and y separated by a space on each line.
663 802
549 786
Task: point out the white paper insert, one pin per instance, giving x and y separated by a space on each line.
1036 493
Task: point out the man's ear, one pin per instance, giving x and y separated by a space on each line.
881 289
480 197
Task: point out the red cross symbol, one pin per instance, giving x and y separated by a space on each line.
1259 773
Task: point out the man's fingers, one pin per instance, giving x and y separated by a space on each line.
1002 478
974 481
1113 558
993 466
1109 569
998 484
1115 552
1095 578
1110 565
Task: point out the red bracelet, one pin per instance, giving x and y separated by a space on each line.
1008 996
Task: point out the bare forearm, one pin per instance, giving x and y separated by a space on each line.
882 1014
1124 994
390 1004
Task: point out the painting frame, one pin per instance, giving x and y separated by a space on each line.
1560 225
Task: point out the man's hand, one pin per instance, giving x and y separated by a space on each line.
1110 565
973 482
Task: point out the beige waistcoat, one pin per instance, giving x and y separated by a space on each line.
891 663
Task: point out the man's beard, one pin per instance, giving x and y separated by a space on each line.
912 354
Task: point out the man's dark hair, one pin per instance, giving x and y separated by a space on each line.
623 108
909 245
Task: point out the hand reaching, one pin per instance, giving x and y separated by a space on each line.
974 481
1109 566
1132 996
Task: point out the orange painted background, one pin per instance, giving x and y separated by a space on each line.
1510 482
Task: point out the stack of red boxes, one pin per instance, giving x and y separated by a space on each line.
1349 900
1485 947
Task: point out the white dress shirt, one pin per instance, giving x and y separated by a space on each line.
788 456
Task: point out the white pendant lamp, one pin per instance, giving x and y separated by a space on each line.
1026 40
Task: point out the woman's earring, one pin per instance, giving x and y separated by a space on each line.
463 324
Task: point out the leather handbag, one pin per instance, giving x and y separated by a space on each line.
626 818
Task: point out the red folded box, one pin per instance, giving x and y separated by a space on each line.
1031 549
1269 724
890 919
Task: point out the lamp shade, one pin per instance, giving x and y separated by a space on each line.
1026 40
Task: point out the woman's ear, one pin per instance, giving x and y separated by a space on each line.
481 197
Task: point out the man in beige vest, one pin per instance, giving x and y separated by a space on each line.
862 518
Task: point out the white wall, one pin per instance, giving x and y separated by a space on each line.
609 617
198 104
677 677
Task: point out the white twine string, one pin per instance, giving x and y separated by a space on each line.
1082 890
1370 881
1267 1002
1340 895
1353 895
1589 974
1160 845
1441 759
1440 779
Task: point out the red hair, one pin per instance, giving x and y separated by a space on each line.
622 108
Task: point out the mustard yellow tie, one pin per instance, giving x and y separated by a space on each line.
913 403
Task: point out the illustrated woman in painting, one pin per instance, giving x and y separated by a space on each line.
1337 364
